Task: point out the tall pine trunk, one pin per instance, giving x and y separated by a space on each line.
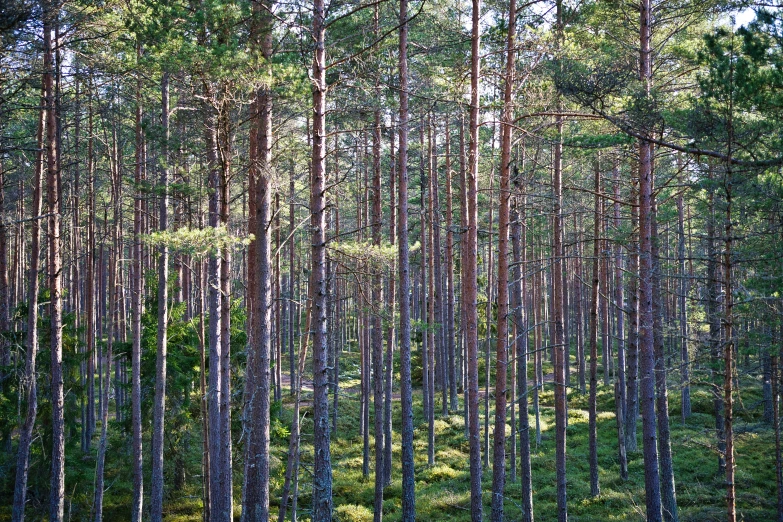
57 479
406 391
469 269
322 472
159 401
501 357
137 298
594 296
255 488
652 486
30 389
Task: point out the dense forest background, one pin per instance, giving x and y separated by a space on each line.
361 259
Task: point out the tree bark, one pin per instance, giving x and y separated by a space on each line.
159 401
469 267
652 484
728 348
518 296
322 473
57 488
30 384
595 489
561 414
501 357
406 392
137 299
255 488
450 343
111 327
391 296
377 299
683 289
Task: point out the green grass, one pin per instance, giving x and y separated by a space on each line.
442 490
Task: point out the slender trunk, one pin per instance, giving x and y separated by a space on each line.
391 296
90 277
226 484
776 424
292 307
450 347
728 349
437 274
159 401
538 348
205 463
558 339
377 299
463 246
652 484
429 287
683 313
218 509
668 495
111 327
501 357
578 308
57 488
558 342
490 299
406 392
632 360
595 489
469 268
137 300
518 296
322 473
606 357
621 383
292 463
30 386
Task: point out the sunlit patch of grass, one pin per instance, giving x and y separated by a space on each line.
440 472
352 513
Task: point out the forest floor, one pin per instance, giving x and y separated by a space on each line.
442 490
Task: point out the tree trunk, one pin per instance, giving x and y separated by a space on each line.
111 327
406 392
621 383
377 299
683 313
159 401
518 297
255 487
728 349
292 463
776 424
391 296
57 488
668 496
218 509
595 489
450 347
501 357
224 142
561 414
652 485
469 267
632 359
322 473
30 386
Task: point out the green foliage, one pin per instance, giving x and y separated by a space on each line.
197 242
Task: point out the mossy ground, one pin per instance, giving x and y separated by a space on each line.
442 490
